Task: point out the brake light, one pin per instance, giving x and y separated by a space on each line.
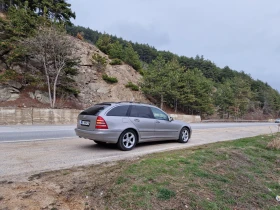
100 123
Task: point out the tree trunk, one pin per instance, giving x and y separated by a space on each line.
176 105
49 85
54 87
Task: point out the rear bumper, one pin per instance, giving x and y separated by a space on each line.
99 135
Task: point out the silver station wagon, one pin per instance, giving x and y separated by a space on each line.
129 123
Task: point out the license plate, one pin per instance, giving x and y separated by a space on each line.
84 122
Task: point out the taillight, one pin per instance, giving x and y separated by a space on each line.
100 123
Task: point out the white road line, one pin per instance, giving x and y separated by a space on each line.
17 141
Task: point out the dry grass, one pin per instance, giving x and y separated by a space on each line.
274 144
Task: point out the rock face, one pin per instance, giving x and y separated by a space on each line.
93 89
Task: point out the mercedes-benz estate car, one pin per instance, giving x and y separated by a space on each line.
127 124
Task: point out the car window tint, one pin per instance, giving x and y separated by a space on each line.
141 111
95 110
158 114
118 111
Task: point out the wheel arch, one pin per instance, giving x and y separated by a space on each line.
137 134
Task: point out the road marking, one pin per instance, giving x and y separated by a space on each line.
17 141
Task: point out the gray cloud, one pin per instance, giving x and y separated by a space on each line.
146 34
242 34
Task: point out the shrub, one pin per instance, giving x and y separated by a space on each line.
116 61
141 71
274 144
132 86
109 79
8 75
100 61
80 36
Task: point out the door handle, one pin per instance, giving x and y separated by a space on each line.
157 121
136 120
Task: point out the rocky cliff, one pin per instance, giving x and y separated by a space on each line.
92 87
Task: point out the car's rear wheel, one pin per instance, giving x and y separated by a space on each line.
127 140
100 142
184 135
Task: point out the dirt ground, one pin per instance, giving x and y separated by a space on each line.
65 190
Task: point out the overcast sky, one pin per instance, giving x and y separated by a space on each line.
243 34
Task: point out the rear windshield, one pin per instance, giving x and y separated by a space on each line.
94 110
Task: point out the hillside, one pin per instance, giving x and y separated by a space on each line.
90 85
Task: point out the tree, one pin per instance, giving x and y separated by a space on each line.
116 51
104 43
19 24
54 52
131 57
156 81
58 10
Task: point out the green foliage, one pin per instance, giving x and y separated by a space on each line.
108 79
8 75
116 61
100 61
132 86
20 24
131 57
57 10
104 43
116 51
165 194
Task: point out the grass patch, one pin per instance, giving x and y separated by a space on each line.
116 61
108 79
132 86
242 174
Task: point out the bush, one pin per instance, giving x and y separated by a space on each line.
141 71
132 86
116 61
109 79
8 75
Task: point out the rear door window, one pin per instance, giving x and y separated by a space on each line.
119 111
141 111
95 110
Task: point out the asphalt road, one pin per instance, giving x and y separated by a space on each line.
40 133
21 159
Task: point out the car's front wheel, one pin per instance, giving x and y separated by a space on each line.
184 135
127 140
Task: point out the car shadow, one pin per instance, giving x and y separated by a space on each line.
95 146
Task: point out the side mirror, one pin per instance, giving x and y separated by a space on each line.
171 119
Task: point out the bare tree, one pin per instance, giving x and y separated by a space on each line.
54 51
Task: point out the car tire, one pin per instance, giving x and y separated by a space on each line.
127 140
184 135
100 142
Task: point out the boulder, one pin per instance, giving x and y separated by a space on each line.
31 95
15 84
5 93
43 97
